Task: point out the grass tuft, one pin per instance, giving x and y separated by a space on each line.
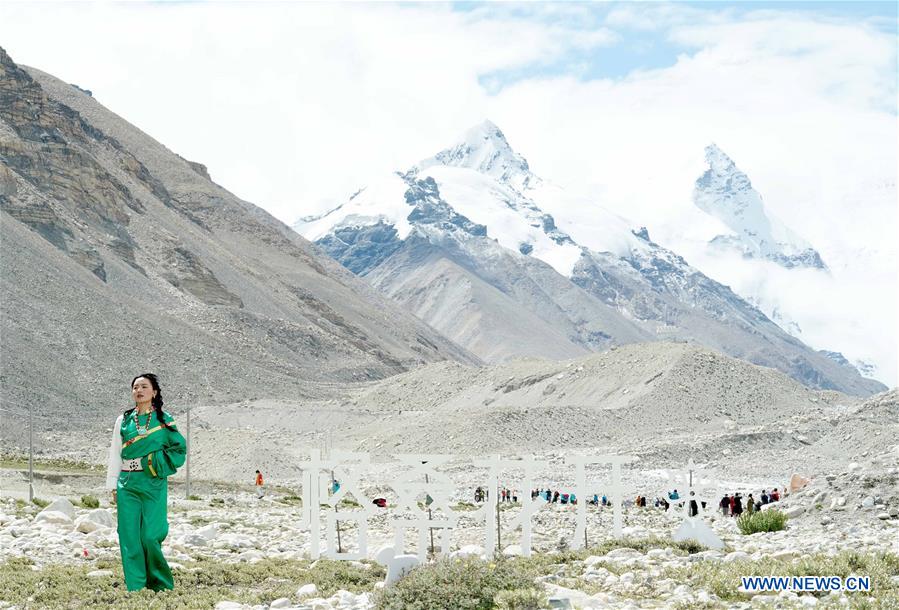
771 520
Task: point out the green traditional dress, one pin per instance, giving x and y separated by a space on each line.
142 496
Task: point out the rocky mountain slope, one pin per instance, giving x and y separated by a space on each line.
724 192
664 401
479 247
121 257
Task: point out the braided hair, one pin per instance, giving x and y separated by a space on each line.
157 400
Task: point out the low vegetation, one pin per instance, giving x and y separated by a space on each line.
771 520
466 584
90 501
723 578
20 462
202 584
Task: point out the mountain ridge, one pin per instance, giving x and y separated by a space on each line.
634 281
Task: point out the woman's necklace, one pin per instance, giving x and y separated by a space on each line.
137 423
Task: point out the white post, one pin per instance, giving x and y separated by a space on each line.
31 455
187 461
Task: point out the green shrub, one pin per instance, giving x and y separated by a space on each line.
90 501
194 497
291 499
41 503
457 584
771 520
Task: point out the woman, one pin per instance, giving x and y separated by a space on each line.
146 448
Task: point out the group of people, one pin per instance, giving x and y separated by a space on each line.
733 505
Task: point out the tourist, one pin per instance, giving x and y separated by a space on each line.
146 449
259 485
738 505
724 504
764 497
750 504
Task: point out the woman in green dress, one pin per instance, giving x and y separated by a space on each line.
146 449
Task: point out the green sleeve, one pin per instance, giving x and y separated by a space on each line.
166 461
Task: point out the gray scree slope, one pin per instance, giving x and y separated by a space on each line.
120 257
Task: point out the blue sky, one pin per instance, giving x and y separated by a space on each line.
645 47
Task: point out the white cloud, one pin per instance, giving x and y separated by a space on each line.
294 106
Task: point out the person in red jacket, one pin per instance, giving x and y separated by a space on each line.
260 490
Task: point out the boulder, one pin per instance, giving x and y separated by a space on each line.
794 511
308 590
98 518
281 602
195 540
61 505
54 517
797 482
469 550
209 532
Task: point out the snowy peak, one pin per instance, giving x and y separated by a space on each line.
484 149
726 193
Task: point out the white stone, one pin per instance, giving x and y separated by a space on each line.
883 516
794 511
195 540
281 602
99 573
808 600
97 519
61 505
623 553
854 467
54 517
209 532
868 502
785 555
736 556
469 550
514 550
307 590
228 605
397 565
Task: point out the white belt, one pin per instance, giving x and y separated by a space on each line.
131 465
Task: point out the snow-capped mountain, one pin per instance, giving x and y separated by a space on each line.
468 240
726 193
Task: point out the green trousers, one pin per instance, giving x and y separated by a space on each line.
142 526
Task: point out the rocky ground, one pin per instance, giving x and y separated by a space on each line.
856 508
746 428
